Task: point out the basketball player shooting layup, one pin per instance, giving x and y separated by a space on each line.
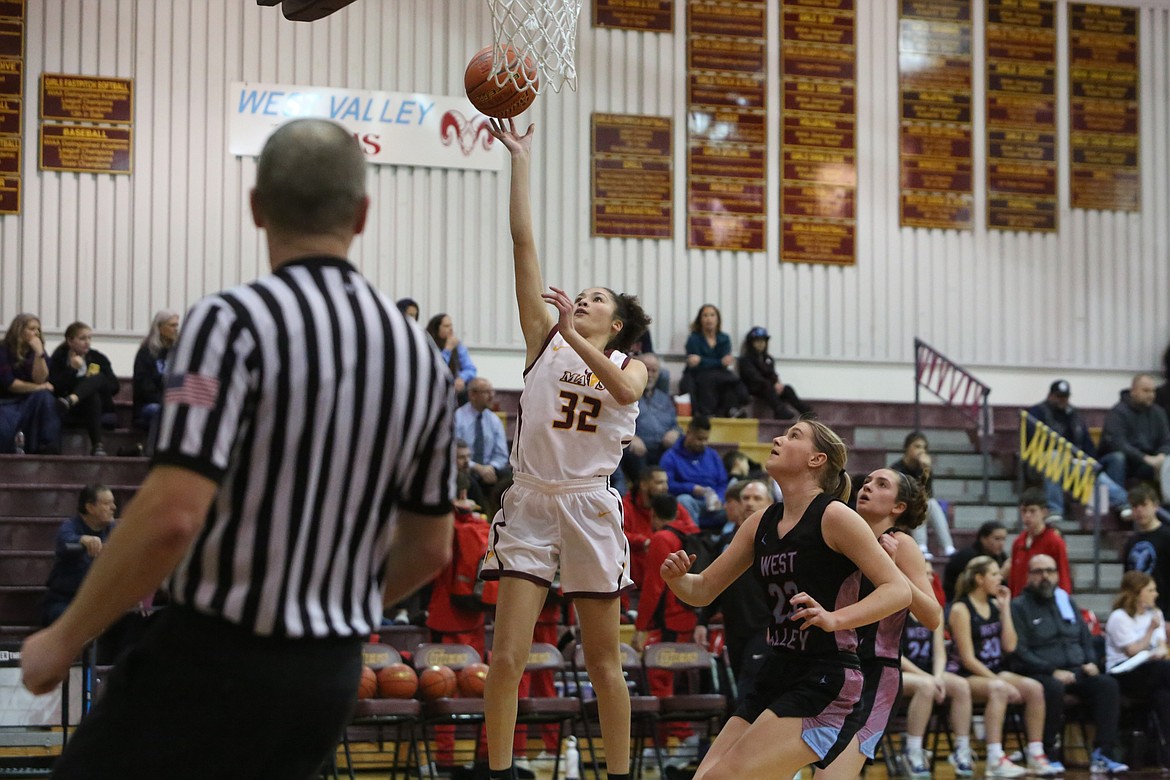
578 409
807 551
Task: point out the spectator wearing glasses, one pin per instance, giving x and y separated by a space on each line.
1055 649
479 426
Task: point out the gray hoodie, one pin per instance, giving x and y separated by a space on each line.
1135 430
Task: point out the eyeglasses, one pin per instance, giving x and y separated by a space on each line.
1042 571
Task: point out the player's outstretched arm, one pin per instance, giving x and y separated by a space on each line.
700 589
535 318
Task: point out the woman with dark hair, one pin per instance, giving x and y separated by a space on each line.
715 389
916 462
408 307
84 382
26 394
579 406
810 553
757 369
893 505
984 636
442 332
1136 626
150 367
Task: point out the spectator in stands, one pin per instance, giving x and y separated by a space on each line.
150 365
662 617
469 494
1037 538
26 394
657 429
1056 649
916 462
925 681
744 604
715 389
757 369
1136 630
637 523
79 541
1162 394
1057 413
696 475
477 424
1148 549
408 307
984 636
85 384
990 539
455 354
1136 439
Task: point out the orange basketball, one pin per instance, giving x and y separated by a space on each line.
471 680
492 99
437 682
397 681
368 687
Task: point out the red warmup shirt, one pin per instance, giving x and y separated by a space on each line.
677 616
638 528
1049 542
442 615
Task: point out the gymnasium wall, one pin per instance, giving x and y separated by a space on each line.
1090 303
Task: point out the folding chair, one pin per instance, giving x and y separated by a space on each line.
694 707
448 711
644 708
541 710
379 714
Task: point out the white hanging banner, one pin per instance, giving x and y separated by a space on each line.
393 128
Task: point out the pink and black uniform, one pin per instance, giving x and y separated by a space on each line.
810 674
987 634
918 645
879 646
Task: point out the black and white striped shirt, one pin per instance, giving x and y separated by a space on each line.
319 410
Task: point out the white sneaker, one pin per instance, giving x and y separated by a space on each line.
1004 768
917 764
1041 766
546 756
521 762
963 762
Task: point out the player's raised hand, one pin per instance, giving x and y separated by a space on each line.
504 130
564 305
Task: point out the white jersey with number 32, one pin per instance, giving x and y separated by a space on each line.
569 426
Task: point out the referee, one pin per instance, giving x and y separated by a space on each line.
303 478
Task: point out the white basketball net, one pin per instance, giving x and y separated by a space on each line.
544 31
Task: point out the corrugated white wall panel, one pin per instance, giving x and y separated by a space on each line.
111 250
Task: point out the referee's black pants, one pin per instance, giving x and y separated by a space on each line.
201 698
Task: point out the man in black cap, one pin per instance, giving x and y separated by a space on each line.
1061 416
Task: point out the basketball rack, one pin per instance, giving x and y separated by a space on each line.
543 32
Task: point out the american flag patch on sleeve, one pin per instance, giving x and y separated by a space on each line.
192 389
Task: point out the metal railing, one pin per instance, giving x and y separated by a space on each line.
956 387
1057 459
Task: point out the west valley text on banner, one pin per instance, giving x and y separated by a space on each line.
393 128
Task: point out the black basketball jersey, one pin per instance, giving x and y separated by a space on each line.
986 634
801 562
918 645
883 639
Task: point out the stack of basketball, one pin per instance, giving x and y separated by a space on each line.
399 681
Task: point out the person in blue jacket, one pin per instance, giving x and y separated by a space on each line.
695 474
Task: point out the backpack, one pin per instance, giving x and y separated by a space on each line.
468 591
705 548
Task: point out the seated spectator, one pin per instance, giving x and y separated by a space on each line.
1136 438
695 474
662 617
984 636
1136 628
1148 549
990 540
150 366
477 424
656 429
408 307
1057 413
916 462
469 495
84 382
715 389
1162 394
1037 538
26 394
1055 649
637 523
442 332
757 370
